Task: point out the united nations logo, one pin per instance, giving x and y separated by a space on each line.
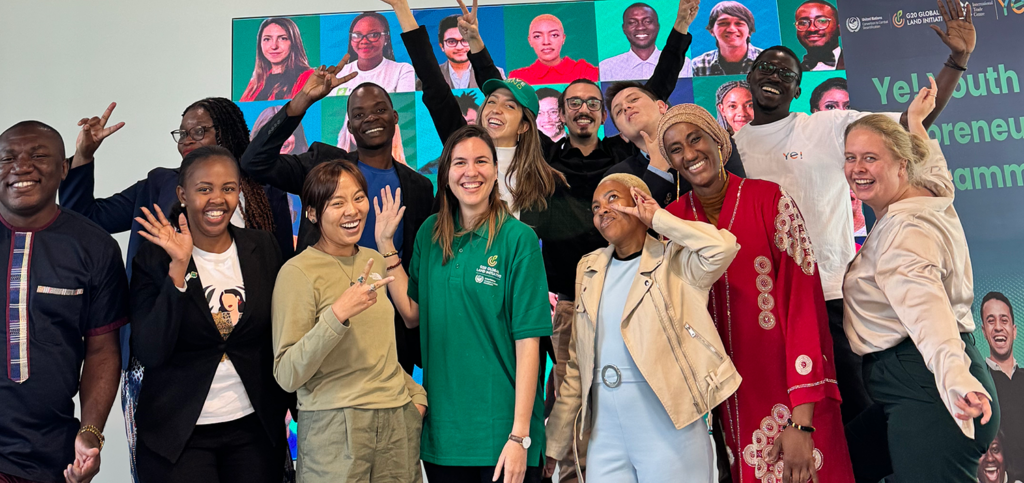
479 279
853 24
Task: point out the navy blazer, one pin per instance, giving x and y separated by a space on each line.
177 341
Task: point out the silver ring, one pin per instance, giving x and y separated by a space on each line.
604 376
370 288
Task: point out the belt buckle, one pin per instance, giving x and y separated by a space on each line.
604 376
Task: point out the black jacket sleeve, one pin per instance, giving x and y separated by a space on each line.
114 214
483 67
437 95
666 73
154 307
264 162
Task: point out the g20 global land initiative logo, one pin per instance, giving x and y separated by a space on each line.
898 20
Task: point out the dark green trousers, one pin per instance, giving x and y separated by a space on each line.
907 434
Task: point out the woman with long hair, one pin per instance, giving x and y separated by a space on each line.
281 64
477 289
210 409
334 344
373 57
508 114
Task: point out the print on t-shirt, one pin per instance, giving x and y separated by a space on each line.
227 306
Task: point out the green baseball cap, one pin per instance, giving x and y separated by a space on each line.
521 91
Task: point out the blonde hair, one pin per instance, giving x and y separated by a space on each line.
900 143
546 16
627 180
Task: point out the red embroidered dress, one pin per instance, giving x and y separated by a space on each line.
770 311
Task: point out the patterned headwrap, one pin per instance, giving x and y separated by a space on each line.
699 117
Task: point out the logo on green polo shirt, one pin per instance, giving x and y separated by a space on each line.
487 274
492 261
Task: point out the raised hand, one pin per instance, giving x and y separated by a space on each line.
960 35
87 460
685 15
319 84
469 26
388 210
645 207
404 14
974 404
359 296
94 131
920 108
177 244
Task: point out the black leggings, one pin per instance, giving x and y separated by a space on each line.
473 474
235 451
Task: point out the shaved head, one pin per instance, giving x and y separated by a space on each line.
38 126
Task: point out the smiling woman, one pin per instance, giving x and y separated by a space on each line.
372 55
281 64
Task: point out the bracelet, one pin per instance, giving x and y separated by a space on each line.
88 428
806 429
396 265
953 65
390 254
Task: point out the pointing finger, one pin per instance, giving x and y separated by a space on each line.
366 271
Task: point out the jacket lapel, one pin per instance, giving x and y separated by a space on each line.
593 282
650 260
248 265
196 292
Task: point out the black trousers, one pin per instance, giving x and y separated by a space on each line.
473 474
849 373
237 451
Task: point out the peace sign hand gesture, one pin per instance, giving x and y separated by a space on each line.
359 296
94 131
319 85
645 207
469 26
960 35
160 231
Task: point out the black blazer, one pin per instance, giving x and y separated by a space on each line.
264 162
175 338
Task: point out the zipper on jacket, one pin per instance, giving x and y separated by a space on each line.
707 345
692 384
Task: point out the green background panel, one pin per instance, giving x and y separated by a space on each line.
244 46
577 19
787 25
610 39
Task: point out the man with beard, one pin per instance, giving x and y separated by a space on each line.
805 154
67 295
372 120
640 25
817 29
1000 329
457 70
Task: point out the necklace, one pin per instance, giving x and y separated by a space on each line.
351 279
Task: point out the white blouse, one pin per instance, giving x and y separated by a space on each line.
912 278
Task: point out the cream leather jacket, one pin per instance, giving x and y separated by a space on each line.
665 325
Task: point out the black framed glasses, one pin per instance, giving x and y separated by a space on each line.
818 22
575 103
768 68
452 43
197 133
372 36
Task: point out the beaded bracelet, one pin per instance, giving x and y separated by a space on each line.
396 265
88 428
806 429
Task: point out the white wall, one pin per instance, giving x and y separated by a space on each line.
65 60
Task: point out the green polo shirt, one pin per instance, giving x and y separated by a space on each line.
472 310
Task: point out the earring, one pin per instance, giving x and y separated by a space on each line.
183 205
721 164
677 186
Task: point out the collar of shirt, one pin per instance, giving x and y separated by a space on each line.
635 61
460 80
996 367
540 69
812 62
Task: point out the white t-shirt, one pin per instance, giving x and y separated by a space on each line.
392 76
225 291
805 155
505 156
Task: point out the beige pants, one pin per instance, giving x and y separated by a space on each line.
560 337
349 445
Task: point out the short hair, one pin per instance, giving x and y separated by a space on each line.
835 12
547 92
447 23
321 183
628 180
638 5
733 9
1002 298
387 50
546 16
617 87
828 85
787 51
581 80
370 85
467 100
42 126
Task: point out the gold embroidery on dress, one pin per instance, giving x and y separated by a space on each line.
765 301
762 441
791 234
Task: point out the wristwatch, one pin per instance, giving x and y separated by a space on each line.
525 441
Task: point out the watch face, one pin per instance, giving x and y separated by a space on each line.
526 442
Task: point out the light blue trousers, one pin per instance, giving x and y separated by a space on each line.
634 440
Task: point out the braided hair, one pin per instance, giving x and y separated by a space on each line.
233 135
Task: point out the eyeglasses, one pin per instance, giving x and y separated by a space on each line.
575 103
819 23
197 133
372 36
452 43
767 68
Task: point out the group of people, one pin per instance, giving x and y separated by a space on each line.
700 284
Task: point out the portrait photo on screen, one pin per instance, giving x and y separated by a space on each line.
335 126
548 121
257 114
811 28
374 45
683 94
728 35
630 36
428 144
452 51
273 57
551 43
728 98
832 92
999 328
